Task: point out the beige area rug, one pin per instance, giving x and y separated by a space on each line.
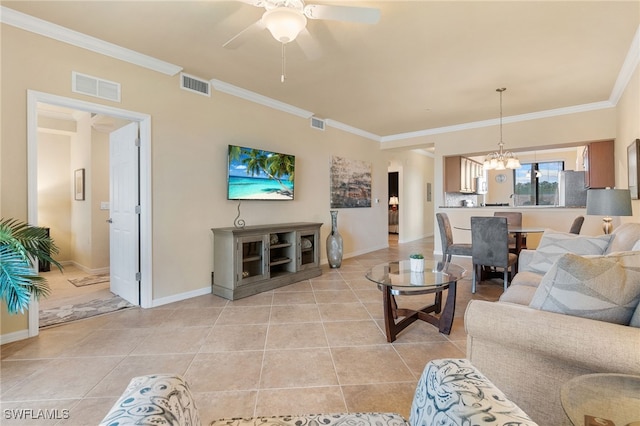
67 313
90 280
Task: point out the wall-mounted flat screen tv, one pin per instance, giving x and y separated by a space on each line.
256 174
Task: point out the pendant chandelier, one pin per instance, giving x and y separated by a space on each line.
501 159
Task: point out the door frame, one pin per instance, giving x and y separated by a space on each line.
145 230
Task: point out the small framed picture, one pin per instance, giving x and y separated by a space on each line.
78 184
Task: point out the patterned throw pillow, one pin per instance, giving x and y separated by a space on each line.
604 288
554 244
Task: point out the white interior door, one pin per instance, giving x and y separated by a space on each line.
124 214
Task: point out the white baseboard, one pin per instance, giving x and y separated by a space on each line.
96 271
14 337
181 296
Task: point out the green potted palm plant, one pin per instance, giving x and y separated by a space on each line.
20 246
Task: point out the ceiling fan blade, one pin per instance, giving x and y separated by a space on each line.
256 3
363 15
309 45
244 35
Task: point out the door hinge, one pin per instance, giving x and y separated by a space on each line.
137 142
138 209
138 276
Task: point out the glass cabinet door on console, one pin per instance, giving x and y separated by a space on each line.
308 253
252 262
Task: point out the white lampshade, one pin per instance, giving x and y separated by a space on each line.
284 23
393 201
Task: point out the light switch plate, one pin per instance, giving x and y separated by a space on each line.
104 205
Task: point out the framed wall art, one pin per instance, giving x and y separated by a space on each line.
350 183
78 184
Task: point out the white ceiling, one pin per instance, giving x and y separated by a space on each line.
425 65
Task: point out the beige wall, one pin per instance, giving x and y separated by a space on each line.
55 190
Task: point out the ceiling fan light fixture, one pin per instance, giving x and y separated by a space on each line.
284 23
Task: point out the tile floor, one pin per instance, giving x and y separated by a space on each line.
314 346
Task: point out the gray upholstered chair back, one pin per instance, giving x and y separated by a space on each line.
576 226
446 236
489 241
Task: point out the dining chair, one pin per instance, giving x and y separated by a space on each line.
513 219
576 226
449 248
490 247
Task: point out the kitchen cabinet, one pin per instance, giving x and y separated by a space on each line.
599 166
460 174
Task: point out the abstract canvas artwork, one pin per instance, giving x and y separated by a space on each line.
350 183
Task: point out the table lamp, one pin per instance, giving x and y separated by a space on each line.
608 202
393 202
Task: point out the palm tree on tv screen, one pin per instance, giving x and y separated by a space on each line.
274 166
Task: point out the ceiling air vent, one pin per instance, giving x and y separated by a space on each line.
195 84
94 86
317 123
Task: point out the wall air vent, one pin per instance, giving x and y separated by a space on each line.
94 86
195 84
317 123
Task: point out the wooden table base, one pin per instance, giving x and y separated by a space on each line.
391 311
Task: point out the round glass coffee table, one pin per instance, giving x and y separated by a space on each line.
396 278
602 399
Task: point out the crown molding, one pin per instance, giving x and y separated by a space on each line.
496 121
628 68
74 38
248 95
350 129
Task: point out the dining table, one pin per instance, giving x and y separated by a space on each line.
518 231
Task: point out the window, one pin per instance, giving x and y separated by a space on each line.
537 183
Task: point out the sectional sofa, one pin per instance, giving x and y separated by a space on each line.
564 315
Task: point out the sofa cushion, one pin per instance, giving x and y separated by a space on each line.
605 288
635 319
554 244
520 294
527 278
625 237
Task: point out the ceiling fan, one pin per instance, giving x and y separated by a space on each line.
286 19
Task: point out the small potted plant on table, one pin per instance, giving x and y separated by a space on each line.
416 262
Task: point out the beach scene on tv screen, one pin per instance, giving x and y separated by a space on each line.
256 174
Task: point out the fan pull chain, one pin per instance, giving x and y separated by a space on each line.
282 77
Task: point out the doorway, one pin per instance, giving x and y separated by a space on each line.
143 168
394 205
